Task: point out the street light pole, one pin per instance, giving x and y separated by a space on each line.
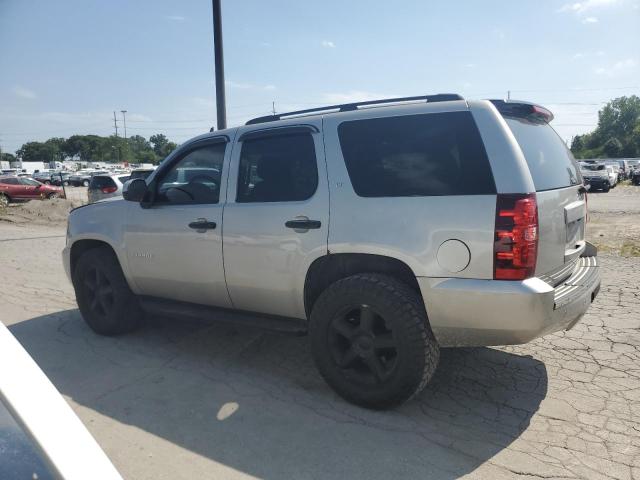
124 121
219 65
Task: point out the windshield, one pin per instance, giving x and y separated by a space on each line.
551 164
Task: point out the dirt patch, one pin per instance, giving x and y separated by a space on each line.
39 212
616 233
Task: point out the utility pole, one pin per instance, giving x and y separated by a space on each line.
219 65
124 119
115 122
273 108
508 94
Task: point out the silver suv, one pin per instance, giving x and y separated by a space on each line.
384 230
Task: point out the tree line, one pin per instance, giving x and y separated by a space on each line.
617 134
94 148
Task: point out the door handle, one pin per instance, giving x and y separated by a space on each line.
303 224
202 224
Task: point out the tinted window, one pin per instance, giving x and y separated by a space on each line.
278 169
593 167
416 155
123 179
550 161
99 182
195 178
9 181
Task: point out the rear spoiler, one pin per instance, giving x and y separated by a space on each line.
520 109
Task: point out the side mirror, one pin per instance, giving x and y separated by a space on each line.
134 190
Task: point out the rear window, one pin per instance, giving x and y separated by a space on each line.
593 168
416 155
123 179
551 164
101 182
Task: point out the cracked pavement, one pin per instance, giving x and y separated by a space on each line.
185 399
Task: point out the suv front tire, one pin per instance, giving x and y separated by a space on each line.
104 298
371 340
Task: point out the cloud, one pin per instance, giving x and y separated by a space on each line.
617 68
23 92
590 20
247 86
175 18
580 55
582 7
328 44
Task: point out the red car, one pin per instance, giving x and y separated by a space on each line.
21 188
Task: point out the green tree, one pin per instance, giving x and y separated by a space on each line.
160 143
36 152
617 134
612 148
7 157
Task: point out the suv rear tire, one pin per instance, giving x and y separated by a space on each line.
371 340
104 298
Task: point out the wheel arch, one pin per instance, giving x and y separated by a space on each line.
79 247
330 268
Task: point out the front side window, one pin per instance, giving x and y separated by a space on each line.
416 155
281 168
195 178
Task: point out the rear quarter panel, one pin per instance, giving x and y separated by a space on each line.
410 229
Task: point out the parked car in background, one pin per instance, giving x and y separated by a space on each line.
141 173
383 233
60 178
43 177
83 178
635 176
22 188
105 186
597 176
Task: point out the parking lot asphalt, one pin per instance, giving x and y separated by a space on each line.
184 399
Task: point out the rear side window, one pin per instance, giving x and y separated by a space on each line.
101 182
416 155
551 164
281 168
9 181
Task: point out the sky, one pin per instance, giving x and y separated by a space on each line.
66 65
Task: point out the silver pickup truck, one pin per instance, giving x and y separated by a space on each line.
384 230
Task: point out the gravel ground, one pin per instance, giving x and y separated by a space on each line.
192 400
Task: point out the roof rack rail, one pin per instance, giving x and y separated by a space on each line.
347 107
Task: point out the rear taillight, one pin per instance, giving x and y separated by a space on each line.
108 189
515 245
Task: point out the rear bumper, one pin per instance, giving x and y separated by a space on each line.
468 312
